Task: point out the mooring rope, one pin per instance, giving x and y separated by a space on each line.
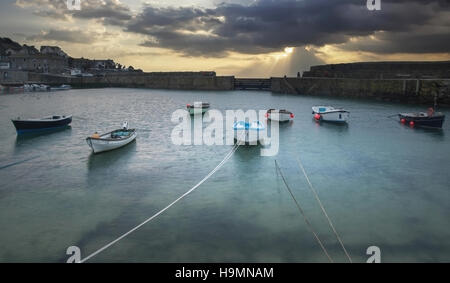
392 117
18 162
227 157
323 209
303 213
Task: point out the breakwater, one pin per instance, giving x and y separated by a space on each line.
182 81
403 90
157 80
414 91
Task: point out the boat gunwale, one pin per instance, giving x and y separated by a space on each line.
332 110
45 119
196 107
438 115
280 111
132 131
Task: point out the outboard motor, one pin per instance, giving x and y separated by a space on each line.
125 125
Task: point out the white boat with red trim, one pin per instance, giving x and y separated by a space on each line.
330 114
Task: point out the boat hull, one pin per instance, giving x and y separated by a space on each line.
249 137
197 111
103 145
63 87
430 122
334 117
280 117
26 126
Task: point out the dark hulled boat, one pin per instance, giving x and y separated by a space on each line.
422 119
48 123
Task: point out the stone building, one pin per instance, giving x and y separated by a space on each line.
90 65
103 64
53 50
40 63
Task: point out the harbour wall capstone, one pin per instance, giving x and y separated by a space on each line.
414 91
382 70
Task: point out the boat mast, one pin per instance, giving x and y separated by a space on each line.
435 101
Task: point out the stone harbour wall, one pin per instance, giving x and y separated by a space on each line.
182 81
417 91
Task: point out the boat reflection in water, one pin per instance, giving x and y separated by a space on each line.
108 162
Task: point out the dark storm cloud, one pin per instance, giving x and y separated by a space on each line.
271 25
72 36
403 42
111 12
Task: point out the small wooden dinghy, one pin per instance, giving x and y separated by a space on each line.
281 115
43 124
249 133
430 119
111 140
198 108
330 114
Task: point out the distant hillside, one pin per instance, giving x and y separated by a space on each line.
7 43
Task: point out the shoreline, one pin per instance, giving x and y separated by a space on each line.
400 90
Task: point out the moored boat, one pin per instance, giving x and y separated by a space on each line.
281 115
430 119
61 87
330 114
249 133
198 108
36 87
112 140
47 123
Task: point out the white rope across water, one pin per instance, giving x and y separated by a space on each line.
323 209
227 157
311 229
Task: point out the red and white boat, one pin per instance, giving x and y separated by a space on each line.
330 114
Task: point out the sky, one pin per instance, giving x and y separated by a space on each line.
245 38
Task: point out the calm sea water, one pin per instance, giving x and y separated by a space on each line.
382 183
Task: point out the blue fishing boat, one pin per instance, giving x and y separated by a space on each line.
249 133
43 124
430 119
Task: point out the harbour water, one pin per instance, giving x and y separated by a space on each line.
383 184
